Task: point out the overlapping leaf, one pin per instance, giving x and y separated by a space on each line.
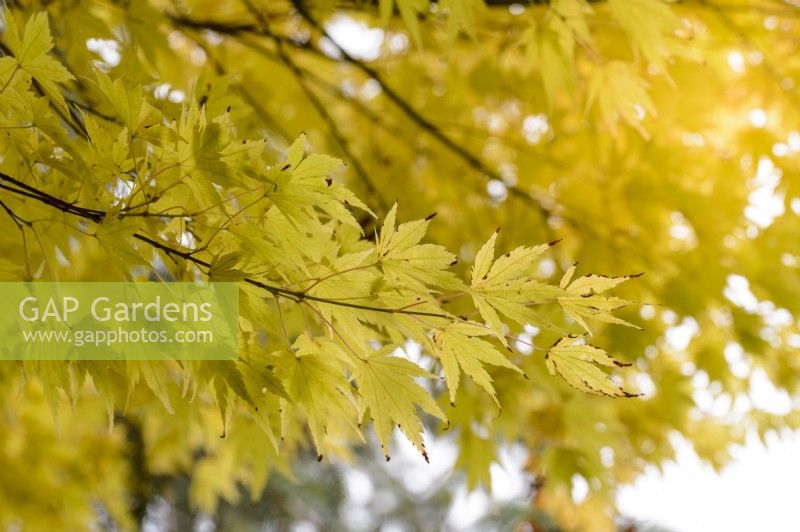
582 300
406 262
314 380
579 364
504 286
388 390
459 347
305 185
31 50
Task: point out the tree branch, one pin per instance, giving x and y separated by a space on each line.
98 216
336 133
235 29
262 113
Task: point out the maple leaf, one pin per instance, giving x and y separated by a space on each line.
550 45
387 389
115 236
476 455
460 348
620 94
128 101
305 184
155 376
578 364
405 261
314 379
504 285
410 10
225 268
650 25
462 15
31 49
581 298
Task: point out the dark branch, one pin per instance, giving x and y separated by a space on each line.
471 159
97 216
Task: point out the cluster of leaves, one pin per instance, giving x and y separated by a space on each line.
537 117
555 36
324 308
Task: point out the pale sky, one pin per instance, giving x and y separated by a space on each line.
758 491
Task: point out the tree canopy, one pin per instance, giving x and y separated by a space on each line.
487 181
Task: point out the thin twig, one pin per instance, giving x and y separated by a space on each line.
97 216
466 155
336 133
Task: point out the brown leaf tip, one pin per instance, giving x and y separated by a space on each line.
431 216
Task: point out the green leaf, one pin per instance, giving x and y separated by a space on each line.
296 151
407 262
304 186
128 101
460 348
578 363
581 298
315 166
475 456
550 46
313 377
504 286
621 94
483 260
387 389
224 268
115 236
155 375
410 10
31 52
650 24
462 16
595 284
